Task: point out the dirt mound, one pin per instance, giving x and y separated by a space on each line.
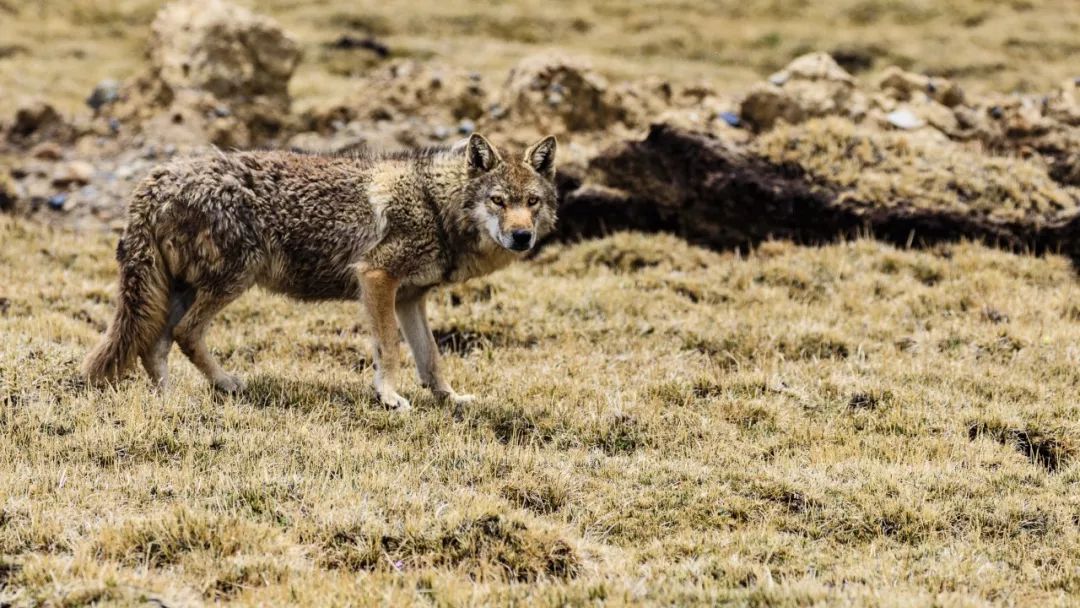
811 86
815 182
407 103
218 72
558 95
888 170
36 121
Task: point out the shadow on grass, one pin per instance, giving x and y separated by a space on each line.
265 391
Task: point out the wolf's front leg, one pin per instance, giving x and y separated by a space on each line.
412 314
378 291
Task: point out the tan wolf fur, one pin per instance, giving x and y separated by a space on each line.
381 229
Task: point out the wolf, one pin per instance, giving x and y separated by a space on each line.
383 229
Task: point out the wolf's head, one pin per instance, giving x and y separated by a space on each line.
512 200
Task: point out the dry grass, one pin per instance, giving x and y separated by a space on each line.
852 423
61 48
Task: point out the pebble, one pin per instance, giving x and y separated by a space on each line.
441 132
106 92
76 172
47 150
904 119
466 127
56 202
731 118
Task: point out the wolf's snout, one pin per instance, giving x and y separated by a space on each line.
521 239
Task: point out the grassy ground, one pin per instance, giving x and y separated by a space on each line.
852 423
61 48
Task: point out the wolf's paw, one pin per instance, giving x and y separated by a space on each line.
394 401
229 384
452 398
458 398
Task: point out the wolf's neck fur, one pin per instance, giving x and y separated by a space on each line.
444 177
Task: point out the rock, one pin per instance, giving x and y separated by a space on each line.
466 127
47 150
105 93
558 95
904 119
907 86
56 202
74 173
812 85
812 67
730 118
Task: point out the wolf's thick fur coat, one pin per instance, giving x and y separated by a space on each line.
381 229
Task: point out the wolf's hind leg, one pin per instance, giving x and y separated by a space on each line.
155 359
190 336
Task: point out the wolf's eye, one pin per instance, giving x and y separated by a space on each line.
498 200
534 200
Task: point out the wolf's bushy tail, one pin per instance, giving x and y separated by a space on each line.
142 310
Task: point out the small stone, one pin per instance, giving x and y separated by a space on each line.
47 150
76 172
466 127
114 125
904 119
441 132
106 92
731 118
497 111
124 172
56 202
997 112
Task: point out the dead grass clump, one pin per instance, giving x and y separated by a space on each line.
485 546
815 345
1050 450
884 169
538 492
627 252
168 538
869 400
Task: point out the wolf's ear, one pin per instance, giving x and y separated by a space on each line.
541 156
480 156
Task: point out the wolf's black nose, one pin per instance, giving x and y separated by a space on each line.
522 239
